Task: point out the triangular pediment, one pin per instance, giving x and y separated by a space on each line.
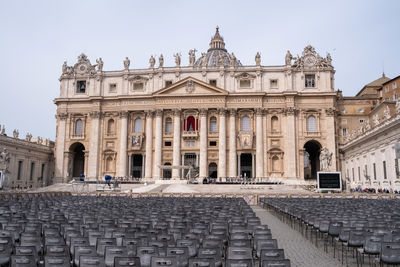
190 87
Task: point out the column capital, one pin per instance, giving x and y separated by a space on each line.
149 113
222 111
259 111
62 116
177 112
203 112
95 114
123 114
159 112
232 111
290 111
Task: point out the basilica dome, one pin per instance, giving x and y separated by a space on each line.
217 55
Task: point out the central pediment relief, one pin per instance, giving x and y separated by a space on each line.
191 87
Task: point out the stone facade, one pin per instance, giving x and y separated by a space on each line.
216 115
25 163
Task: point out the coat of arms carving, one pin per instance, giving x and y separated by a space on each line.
246 140
190 87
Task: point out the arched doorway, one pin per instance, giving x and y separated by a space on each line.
212 170
78 159
311 159
167 174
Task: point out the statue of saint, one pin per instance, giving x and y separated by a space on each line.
329 59
398 106
232 63
28 137
100 64
325 159
15 133
220 61
127 62
204 60
152 62
64 67
375 119
161 61
3 130
5 158
177 60
288 58
192 57
386 113
258 59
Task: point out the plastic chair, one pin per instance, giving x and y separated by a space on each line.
23 261
91 261
163 261
201 262
53 261
114 251
390 253
237 263
275 263
83 250
126 261
239 253
145 254
272 254
181 255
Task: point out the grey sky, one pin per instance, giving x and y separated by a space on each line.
38 36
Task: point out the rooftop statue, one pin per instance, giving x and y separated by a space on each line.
127 62
161 61
152 62
177 60
15 133
100 64
258 59
386 113
288 58
28 137
192 57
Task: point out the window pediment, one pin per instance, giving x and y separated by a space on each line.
245 76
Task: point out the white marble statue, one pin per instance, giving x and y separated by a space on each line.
100 64
375 119
398 106
152 62
233 60
15 133
177 60
161 61
192 57
204 60
258 59
386 113
3 130
127 62
28 137
4 159
325 159
288 58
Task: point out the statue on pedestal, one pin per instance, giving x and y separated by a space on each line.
288 58
100 64
233 60
15 133
3 130
375 119
258 59
177 60
64 67
192 57
152 62
28 137
386 113
127 62
325 159
204 60
161 61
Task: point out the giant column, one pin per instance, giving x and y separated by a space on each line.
232 144
60 160
93 160
176 156
290 143
123 143
222 145
259 145
203 144
158 146
149 144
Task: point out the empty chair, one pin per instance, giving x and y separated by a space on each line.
57 251
163 261
181 255
35 241
240 243
54 240
390 253
211 253
201 262
91 261
83 250
27 251
239 253
272 254
238 263
23 261
54 261
5 253
78 241
126 261
145 254
93 235
191 244
265 244
114 251
275 263
102 243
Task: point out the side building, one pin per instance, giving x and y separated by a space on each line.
25 163
220 117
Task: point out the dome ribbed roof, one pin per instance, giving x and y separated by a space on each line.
216 54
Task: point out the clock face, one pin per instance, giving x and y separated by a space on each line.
309 61
82 68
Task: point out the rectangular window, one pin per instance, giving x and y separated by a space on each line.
366 172
138 86
273 83
310 80
387 89
384 170
112 88
394 85
42 172
168 83
359 174
347 174
374 166
19 175
245 83
81 87
352 172
32 171
213 143
213 82
344 131
395 97
167 143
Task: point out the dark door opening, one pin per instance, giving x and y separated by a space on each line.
190 159
246 164
137 166
212 170
167 173
311 159
78 160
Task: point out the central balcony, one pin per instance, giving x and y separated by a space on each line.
190 134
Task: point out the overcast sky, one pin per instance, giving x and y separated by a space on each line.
36 37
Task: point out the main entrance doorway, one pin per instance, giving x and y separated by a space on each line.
311 159
246 165
189 159
167 173
78 159
212 170
137 166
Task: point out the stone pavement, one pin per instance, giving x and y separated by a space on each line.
299 250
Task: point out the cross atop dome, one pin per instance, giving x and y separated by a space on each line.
217 42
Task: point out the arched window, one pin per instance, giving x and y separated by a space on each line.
138 125
245 126
78 127
275 124
311 124
275 164
110 126
213 125
168 126
109 164
190 124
